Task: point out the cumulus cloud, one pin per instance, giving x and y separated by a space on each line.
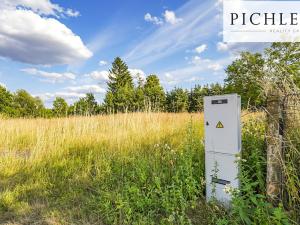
50 76
201 48
168 17
98 75
103 63
85 89
27 36
153 19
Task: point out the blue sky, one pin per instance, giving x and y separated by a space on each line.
65 48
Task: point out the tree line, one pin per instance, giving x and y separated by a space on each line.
246 76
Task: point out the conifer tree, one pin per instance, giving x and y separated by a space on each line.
120 87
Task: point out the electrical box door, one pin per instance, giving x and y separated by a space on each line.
222 121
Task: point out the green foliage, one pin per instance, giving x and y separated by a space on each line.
250 204
197 94
253 75
26 105
177 100
139 96
60 107
283 65
156 188
245 75
6 102
86 106
154 94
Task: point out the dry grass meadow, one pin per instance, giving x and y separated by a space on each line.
56 171
140 168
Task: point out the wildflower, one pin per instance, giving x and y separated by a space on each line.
167 147
239 159
228 189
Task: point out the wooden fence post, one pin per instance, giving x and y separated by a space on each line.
274 148
291 118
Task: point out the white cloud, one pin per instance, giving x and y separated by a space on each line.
197 60
72 93
221 46
72 13
28 37
68 96
50 76
85 89
169 79
172 78
153 19
198 69
41 7
206 64
201 48
102 63
170 17
103 74
135 72
98 75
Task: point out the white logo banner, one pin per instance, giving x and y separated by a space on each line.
261 21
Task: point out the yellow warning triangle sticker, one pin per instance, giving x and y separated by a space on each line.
220 125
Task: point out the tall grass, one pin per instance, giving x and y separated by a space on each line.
142 168
121 169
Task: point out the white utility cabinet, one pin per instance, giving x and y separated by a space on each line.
222 121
